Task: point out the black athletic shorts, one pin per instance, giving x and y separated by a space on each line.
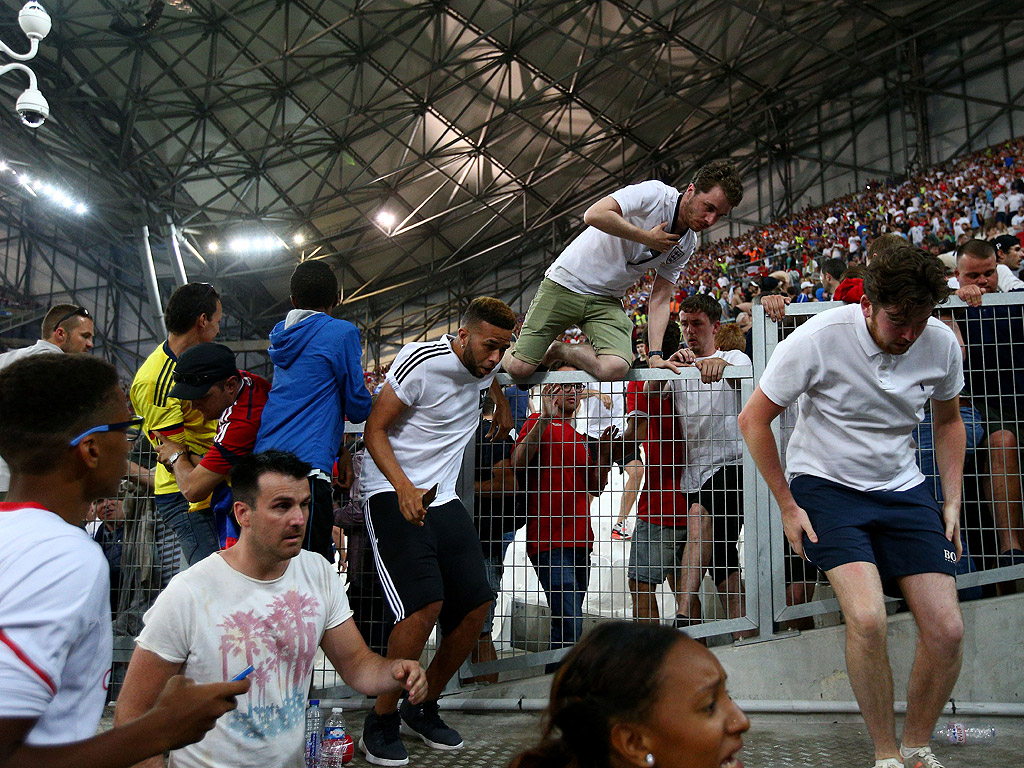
722 497
440 561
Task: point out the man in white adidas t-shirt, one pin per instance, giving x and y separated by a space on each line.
631 231
64 420
265 603
427 550
856 503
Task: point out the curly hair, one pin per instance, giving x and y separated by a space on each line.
720 173
905 279
701 302
485 309
730 336
313 285
45 400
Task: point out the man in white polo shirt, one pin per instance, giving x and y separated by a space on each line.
426 548
857 505
65 420
641 227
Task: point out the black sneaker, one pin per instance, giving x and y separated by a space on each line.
380 741
423 720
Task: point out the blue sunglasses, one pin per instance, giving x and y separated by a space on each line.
131 428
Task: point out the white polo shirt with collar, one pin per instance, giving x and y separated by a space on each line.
857 404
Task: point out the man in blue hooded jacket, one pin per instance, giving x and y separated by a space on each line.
318 383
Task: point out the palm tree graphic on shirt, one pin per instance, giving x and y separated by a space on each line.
280 642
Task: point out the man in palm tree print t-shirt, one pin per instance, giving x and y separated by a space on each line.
264 603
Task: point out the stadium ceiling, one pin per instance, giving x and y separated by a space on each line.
482 127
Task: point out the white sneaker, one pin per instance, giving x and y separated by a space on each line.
889 762
922 757
620 531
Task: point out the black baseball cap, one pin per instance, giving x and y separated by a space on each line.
199 368
1003 243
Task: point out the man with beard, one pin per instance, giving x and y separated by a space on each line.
641 227
427 551
857 505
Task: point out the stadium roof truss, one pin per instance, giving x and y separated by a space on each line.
483 128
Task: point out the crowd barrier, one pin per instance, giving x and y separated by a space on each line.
548 542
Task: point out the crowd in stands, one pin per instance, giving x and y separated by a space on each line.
980 195
202 415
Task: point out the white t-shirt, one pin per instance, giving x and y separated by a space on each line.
41 347
592 419
599 264
1008 281
218 621
1015 201
430 437
56 640
858 405
708 427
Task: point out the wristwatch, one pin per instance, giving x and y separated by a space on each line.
653 352
174 457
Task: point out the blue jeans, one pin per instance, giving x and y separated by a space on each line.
196 531
564 574
925 439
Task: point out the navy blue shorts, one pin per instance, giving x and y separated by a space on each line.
901 532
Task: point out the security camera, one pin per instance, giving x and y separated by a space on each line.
32 108
34 21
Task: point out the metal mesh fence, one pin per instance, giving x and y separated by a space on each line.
635 500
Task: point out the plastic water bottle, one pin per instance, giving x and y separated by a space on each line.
314 724
338 746
958 733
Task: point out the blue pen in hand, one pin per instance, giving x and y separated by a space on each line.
243 674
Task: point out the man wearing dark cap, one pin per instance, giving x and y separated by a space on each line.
1008 254
208 378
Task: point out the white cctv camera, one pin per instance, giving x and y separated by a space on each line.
32 108
34 21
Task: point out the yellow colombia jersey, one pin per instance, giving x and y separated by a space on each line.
162 413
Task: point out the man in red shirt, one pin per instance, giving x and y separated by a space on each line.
208 377
561 480
659 537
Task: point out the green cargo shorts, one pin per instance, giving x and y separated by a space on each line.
555 309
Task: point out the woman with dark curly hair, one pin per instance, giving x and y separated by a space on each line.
639 695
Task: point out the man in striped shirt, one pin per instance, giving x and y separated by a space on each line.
426 548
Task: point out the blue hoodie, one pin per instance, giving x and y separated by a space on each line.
318 383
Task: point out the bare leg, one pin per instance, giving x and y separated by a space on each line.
1003 488
696 556
406 642
859 590
735 602
933 601
645 602
584 357
454 649
797 593
516 368
484 652
634 478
